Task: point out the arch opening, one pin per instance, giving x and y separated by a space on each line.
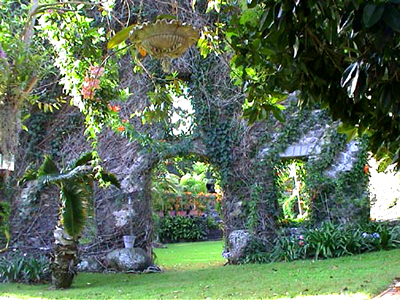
186 197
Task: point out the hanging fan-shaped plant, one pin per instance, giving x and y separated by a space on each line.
162 39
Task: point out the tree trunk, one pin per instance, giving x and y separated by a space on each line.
138 188
63 265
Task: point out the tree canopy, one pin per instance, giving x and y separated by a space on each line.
343 55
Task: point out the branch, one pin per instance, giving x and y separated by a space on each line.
28 30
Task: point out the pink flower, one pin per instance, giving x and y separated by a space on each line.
301 237
91 83
96 71
301 243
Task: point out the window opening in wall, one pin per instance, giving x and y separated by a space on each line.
293 195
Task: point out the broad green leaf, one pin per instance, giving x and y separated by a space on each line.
73 213
392 17
349 131
278 114
372 14
119 37
83 159
48 167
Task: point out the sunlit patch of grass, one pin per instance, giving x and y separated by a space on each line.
352 277
190 255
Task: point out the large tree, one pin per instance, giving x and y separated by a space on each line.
343 55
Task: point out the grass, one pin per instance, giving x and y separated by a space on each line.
190 255
193 274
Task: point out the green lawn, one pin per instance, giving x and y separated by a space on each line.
190 255
193 274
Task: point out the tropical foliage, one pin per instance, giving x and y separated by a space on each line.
76 192
182 192
23 268
327 241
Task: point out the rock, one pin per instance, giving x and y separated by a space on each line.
89 264
237 242
133 259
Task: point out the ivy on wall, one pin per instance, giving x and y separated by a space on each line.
342 198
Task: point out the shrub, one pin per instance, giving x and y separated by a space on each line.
327 241
256 253
176 229
24 269
381 236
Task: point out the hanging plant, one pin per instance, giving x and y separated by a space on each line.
162 39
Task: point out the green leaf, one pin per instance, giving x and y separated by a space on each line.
349 131
73 213
372 14
110 178
392 17
119 37
252 4
28 176
25 117
48 167
83 159
278 114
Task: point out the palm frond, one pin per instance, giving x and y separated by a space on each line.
73 211
51 179
83 160
110 178
48 167
28 176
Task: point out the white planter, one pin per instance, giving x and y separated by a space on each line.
129 241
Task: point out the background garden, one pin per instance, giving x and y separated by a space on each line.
257 128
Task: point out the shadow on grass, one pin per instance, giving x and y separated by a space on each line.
359 276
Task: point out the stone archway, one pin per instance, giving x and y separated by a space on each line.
138 185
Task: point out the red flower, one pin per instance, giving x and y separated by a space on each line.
115 108
366 169
121 128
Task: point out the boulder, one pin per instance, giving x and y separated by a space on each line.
89 264
128 259
237 243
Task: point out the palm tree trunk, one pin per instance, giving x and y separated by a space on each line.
63 266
